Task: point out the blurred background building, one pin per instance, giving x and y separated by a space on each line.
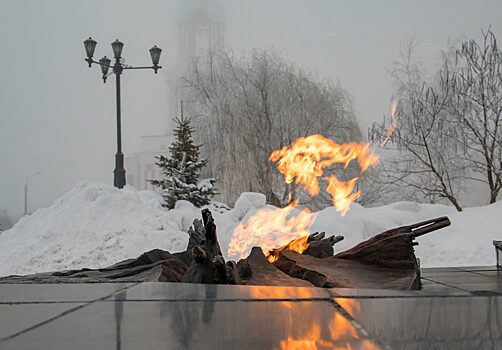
200 27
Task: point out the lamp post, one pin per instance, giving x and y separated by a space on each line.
118 67
26 191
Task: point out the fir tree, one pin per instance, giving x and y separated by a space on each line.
182 170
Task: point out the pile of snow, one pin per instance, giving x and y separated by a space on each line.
467 242
93 225
96 225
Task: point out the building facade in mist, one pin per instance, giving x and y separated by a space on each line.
200 26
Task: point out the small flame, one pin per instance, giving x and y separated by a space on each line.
270 228
342 193
298 245
393 124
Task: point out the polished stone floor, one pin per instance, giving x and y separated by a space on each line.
458 308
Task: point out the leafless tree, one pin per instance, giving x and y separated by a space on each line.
376 189
248 107
476 106
423 160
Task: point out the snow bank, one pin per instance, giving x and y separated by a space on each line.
93 226
96 225
468 241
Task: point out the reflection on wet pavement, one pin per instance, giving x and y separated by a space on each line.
437 322
197 325
457 309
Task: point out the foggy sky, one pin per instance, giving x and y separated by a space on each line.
57 116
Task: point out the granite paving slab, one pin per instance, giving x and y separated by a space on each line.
33 293
456 309
471 278
497 273
206 324
190 291
479 288
389 293
458 274
434 288
430 323
425 270
479 268
16 318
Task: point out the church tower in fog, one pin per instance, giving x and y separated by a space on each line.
201 27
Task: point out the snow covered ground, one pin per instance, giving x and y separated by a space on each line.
96 225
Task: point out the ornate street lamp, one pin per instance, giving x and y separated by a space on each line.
90 46
155 54
118 67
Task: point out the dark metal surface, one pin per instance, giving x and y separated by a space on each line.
119 179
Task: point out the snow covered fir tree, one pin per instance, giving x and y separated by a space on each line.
182 170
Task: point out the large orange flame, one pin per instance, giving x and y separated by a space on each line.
303 162
342 193
271 228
